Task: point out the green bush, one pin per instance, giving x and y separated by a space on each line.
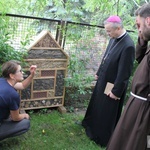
78 83
7 52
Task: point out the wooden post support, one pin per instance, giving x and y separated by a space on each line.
62 109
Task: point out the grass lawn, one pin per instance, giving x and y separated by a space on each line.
52 131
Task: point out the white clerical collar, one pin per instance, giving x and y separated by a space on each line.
122 35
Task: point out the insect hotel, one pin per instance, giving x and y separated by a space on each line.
47 88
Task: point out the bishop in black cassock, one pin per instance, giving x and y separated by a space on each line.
104 110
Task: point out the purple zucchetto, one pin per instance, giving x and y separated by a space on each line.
114 19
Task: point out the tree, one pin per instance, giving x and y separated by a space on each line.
93 11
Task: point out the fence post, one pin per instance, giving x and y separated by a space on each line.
59 33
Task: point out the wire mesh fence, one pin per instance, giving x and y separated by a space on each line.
84 41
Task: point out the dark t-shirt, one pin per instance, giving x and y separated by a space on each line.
9 99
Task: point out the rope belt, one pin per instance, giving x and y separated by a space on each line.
139 97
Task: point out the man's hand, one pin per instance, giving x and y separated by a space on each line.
16 116
33 70
111 95
96 77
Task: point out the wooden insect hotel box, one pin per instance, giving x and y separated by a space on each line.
47 88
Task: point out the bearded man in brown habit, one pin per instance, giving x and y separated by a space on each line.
133 129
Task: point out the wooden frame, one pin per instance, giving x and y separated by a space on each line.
47 87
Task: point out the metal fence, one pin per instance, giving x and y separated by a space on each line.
86 41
